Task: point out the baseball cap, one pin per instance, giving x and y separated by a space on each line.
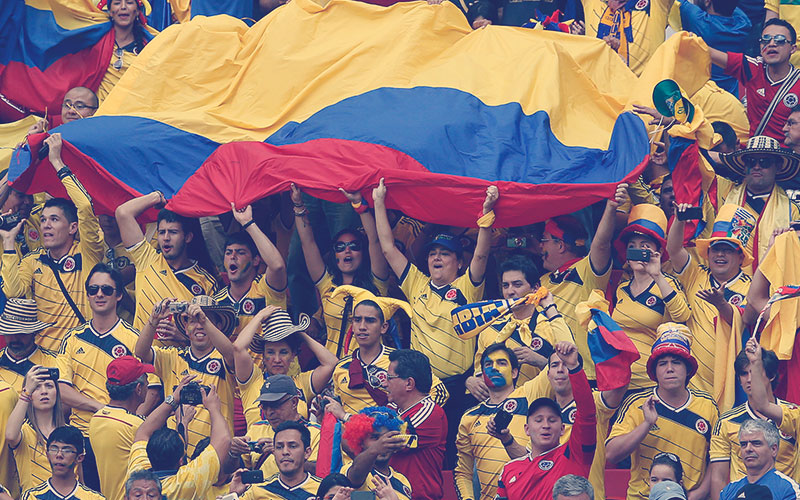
126 369
544 403
727 243
277 387
667 490
447 241
754 492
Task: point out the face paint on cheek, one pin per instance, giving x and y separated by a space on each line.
493 378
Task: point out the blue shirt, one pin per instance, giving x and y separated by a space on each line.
728 34
781 486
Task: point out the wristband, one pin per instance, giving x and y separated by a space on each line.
63 172
510 441
10 252
302 213
25 397
248 224
579 367
486 220
360 207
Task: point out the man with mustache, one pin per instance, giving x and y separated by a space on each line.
21 351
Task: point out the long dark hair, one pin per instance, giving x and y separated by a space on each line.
363 275
57 416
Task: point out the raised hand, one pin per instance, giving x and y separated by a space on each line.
242 216
354 198
568 353
492 195
620 195
379 192
649 410
297 195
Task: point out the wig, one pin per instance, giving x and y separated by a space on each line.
364 423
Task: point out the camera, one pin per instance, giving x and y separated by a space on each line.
191 395
638 255
178 307
516 242
8 222
254 447
252 476
53 374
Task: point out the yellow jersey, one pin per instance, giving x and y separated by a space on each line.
355 399
29 238
111 432
112 76
398 482
260 295
172 364
33 276
432 330
685 432
333 311
83 359
250 390
31 458
569 287
639 317
695 277
263 429
538 332
648 24
119 259
13 371
45 491
725 442
8 469
156 280
192 481
275 489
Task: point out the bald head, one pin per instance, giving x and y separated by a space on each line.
79 102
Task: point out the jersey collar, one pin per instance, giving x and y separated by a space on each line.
59 495
102 335
295 487
7 354
676 410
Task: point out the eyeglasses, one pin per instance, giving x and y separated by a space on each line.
778 39
391 377
108 290
763 162
55 450
341 246
77 106
545 240
118 63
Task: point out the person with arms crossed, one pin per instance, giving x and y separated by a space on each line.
65 453
113 427
163 450
54 276
670 417
19 325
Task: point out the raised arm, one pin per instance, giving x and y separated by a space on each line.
75 400
158 418
220 432
129 230
600 251
622 446
218 339
241 346
314 262
759 396
143 348
327 362
718 57
397 261
276 267
757 297
364 462
35 376
477 268
677 254
380 268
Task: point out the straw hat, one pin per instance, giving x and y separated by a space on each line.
279 325
223 317
762 145
21 316
735 225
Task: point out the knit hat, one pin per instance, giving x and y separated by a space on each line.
674 339
734 225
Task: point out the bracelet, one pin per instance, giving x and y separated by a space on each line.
25 397
486 220
298 205
63 172
302 213
360 207
248 224
509 443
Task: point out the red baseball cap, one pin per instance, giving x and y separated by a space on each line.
126 369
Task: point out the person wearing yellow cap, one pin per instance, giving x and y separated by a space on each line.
359 379
714 283
650 297
670 417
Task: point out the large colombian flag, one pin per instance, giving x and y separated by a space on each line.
340 95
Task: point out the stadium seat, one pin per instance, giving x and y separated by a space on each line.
617 483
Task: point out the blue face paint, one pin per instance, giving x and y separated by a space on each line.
493 378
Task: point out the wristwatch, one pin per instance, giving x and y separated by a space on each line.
171 401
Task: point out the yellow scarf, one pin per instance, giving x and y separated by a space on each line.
782 267
522 325
728 344
777 213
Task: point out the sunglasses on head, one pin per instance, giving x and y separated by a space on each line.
108 290
778 39
341 246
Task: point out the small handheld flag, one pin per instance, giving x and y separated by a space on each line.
470 320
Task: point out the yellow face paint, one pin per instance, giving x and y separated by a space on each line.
497 370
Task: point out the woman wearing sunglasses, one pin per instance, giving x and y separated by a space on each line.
353 260
130 36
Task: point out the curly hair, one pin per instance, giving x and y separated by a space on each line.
367 421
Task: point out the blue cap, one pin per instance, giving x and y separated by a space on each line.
448 241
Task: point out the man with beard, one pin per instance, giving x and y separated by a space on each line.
19 325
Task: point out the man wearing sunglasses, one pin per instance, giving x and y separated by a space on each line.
772 85
86 353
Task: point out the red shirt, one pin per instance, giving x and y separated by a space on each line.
533 478
760 89
423 465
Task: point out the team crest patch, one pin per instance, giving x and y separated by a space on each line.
736 299
701 426
119 350
248 306
510 406
33 235
213 366
197 289
651 301
546 465
572 414
407 491
451 294
122 262
783 436
790 100
641 4
536 344
69 264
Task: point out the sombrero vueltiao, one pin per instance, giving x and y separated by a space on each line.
20 317
734 224
279 325
644 220
224 317
789 165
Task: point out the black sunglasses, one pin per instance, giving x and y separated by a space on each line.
341 246
763 162
108 290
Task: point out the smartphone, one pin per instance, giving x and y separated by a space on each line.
691 213
253 476
638 255
53 374
362 495
501 420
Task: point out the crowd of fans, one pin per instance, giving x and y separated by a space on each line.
301 348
